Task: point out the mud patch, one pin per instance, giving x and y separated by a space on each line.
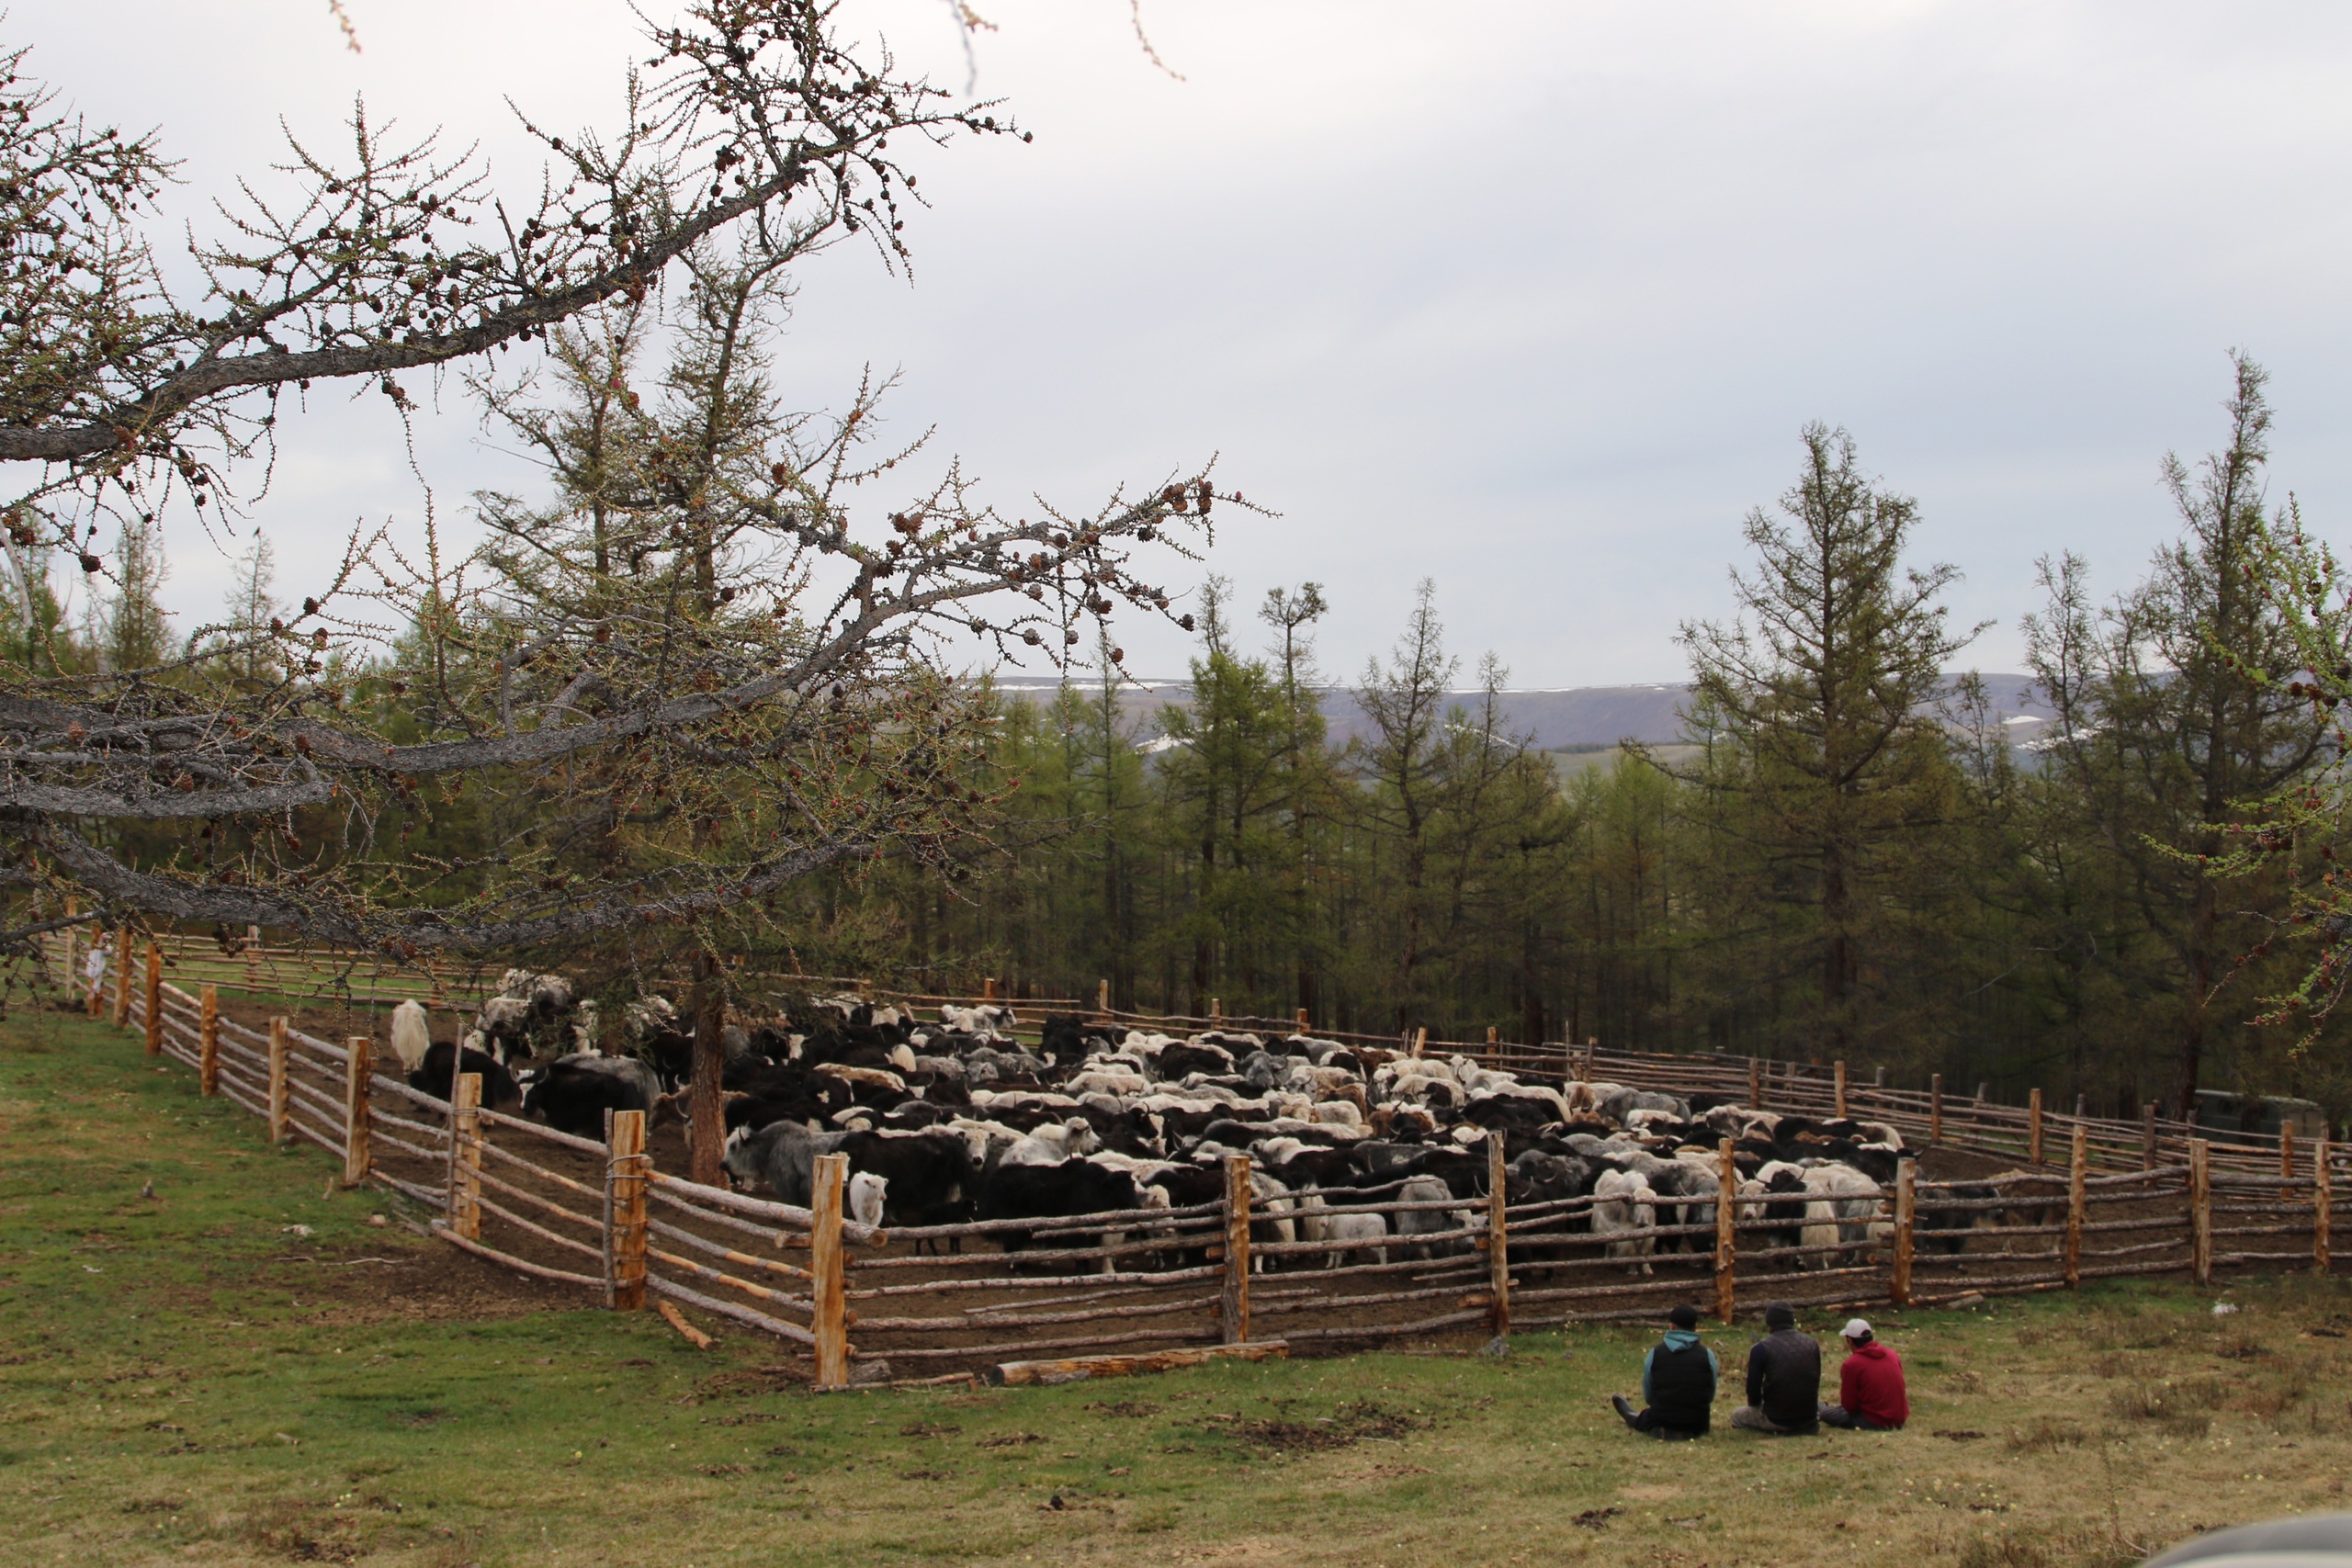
1128 1409
775 1377
1345 1427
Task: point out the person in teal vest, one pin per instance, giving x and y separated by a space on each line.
1678 1384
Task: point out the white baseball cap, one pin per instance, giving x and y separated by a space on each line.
1855 1329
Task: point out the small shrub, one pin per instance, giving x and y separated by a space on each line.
2047 1549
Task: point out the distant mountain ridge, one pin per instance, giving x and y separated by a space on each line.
1558 717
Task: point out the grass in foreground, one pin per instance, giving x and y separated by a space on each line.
242 1370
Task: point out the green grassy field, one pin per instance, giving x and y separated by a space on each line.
243 1369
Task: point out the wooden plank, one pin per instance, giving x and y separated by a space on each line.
357 1072
2200 1211
2321 1184
1080 1368
277 1080
1233 1311
627 1163
2148 1136
1935 1111
1907 1213
208 1047
1498 1235
1838 1092
464 1156
2077 1166
687 1331
2033 1128
1726 1222
829 1311
121 960
155 999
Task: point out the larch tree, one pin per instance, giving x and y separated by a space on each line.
1830 775
737 682
2179 715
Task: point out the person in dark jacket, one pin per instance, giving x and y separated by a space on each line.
1678 1384
1871 1396
1783 1379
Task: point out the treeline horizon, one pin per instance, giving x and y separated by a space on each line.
1855 865
1843 859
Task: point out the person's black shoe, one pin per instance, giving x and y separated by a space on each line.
1624 1408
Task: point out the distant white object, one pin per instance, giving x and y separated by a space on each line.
866 1192
412 1038
2222 1309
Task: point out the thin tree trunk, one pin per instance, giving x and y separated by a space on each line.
707 1107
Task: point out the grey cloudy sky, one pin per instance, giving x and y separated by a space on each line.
1531 298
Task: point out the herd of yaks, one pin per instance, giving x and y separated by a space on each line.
955 1120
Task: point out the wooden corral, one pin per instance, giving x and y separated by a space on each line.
1138 1287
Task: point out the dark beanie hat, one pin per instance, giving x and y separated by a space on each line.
1684 1316
1780 1314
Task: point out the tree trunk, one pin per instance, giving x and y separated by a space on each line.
709 1123
2203 914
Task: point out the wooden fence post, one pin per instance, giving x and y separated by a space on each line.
1420 1041
2200 1213
1235 1312
1726 1225
1935 1110
1497 1236
2077 1167
1217 1010
1102 996
2148 1135
253 958
2033 1128
1838 1097
1755 1084
464 1156
155 1019
827 1290
208 1042
122 977
1302 1020
2319 1200
626 1165
1907 1218
278 1079
356 1073
2286 1162
987 990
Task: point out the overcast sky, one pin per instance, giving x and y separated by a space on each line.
1530 299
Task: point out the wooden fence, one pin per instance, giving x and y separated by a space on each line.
1926 1116
1234 1272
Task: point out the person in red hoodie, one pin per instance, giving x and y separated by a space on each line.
1870 1384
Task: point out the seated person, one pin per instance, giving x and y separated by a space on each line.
1678 1384
1783 1379
1870 1385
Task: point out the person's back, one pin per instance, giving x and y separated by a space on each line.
1783 1377
1678 1384
1870 1384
